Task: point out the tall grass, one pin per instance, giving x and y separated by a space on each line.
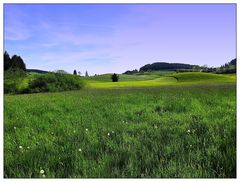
152 132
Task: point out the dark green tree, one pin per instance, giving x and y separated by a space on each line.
75 72
86 74
7 61
115 77
17 63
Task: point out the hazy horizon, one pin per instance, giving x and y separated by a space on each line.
110 38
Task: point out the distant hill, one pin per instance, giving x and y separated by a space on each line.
37 71
165 66
128 72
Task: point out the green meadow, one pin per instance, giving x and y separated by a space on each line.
151 125
155 80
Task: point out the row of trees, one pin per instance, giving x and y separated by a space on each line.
14 63
229 67
165 66
129 72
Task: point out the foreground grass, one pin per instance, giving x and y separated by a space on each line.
153 132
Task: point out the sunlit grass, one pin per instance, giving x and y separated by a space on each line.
170 79
153 132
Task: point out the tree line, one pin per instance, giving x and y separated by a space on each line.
165 66
15 73
13 63
229 67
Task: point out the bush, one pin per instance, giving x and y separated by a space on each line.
115 77
54 82
10 87
12 80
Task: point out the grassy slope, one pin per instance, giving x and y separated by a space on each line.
153 80
177 131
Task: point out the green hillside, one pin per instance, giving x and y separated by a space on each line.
147 79
155 80
204 77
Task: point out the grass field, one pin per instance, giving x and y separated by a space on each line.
155 80
170 125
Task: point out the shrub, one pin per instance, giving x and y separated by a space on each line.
54 82
115 77
12 80
10 87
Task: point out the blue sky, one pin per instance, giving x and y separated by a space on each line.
116 38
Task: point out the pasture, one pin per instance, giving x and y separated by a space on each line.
157 79
150 126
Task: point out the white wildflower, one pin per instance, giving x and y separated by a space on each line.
108 134
43 176
20 147
188 131
86 129
28 147
15 127
80 150
41 171
155 127
112 131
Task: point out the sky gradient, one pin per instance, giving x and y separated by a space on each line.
116 38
